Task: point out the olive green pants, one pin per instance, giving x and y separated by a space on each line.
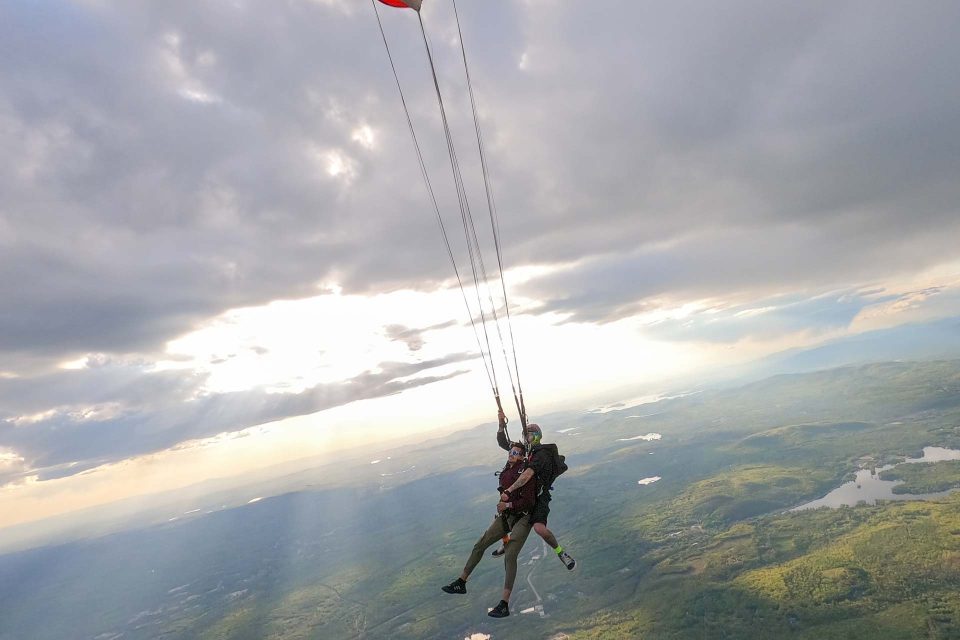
520 529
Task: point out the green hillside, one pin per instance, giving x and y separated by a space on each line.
708 551
925 477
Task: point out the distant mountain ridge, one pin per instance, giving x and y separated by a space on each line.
938 340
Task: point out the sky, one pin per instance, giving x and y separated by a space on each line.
217 252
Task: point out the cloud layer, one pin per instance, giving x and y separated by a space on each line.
164 163
112 412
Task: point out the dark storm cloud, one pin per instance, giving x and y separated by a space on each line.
162 410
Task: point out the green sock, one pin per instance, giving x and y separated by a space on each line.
559 549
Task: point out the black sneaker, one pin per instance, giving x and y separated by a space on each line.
499 552
502 610
567 560
457 586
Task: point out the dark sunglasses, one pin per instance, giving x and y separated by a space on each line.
514 452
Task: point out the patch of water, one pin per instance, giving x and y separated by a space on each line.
639 401
937 454
648 437
867 487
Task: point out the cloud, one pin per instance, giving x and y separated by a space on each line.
765 319
160 410
163 166
12 466
811 317
768 148
164 163
735 264
910 306
135 210
413 338
102 382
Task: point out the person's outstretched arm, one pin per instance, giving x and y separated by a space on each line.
502 432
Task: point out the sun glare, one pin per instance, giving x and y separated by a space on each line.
364 136
9 457
292 345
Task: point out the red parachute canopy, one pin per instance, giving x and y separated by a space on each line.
403 4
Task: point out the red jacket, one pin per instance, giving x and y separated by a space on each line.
526 495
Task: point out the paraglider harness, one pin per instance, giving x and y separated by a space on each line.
544 484
558 465
504 515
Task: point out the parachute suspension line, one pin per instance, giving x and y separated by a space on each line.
485 355
474 251
495 230
470 234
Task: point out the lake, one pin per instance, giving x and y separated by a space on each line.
868 487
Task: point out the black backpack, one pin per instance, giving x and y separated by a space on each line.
559 465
